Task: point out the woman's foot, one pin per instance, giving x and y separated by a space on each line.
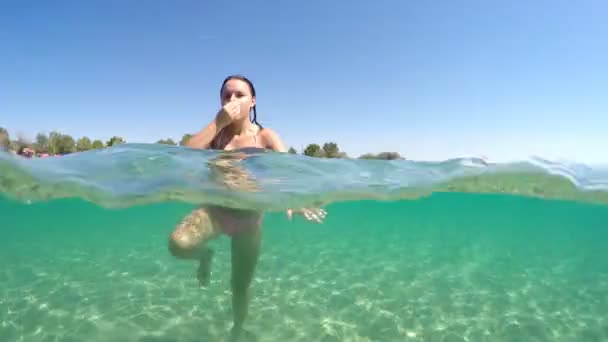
204 268
241 335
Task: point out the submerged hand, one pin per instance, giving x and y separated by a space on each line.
312 214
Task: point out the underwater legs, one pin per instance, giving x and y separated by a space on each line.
245 254
189 241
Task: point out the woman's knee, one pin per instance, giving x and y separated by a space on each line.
181 245
184 243
194 230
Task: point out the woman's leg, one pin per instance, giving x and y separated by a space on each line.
245 252
189 241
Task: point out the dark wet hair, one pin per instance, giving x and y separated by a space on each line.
251 87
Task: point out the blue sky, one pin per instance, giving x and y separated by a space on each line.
431 80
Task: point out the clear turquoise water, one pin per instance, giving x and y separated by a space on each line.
452 266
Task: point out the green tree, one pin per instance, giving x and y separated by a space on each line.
382 155
292 150
331 150
185 139
54 142
42 143
115 141
60 143
97 144
168 141
5 140
83 144
367 156
66 144
313 150
389 155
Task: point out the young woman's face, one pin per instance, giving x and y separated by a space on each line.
237 90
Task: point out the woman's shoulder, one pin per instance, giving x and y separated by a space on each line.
267 133
271 139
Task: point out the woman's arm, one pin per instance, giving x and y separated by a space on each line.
203 138
222 119
274 142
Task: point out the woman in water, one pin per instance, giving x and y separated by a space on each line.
232 128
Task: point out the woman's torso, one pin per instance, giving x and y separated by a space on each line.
253 138
233 220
